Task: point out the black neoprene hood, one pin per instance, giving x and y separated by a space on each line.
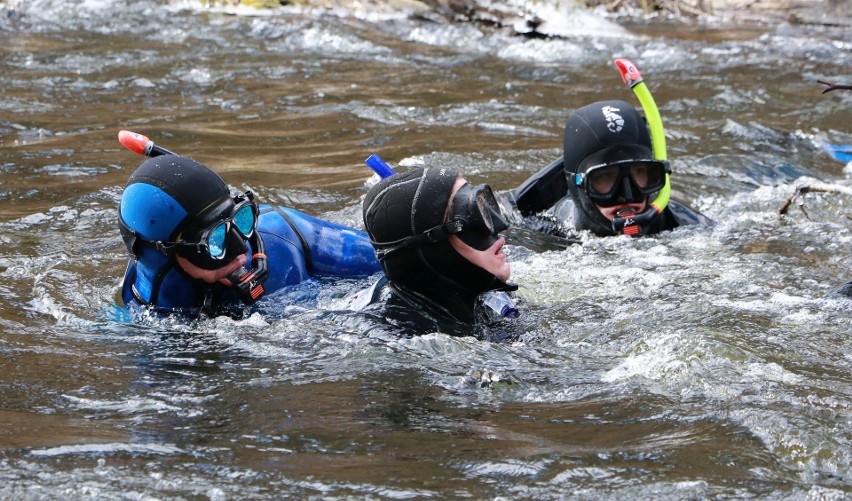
195 187
200 192
604 132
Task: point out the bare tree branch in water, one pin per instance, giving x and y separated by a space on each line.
814 186
833 86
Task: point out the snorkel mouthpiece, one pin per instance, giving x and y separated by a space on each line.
249 284
627 222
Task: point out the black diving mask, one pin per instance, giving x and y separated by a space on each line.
479 210
219 236
623 181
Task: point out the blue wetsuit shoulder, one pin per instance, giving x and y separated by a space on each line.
176 292
284 250
333 249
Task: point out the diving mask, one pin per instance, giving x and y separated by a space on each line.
477 206
223 232
623 181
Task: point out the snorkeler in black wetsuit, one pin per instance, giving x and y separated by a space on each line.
437 238
608 172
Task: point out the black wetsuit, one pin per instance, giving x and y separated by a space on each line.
600 134
412 313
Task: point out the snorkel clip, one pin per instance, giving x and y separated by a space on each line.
627 222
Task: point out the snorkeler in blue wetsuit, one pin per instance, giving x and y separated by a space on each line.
607 181
197 248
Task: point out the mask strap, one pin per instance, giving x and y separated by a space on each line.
430 236
135 243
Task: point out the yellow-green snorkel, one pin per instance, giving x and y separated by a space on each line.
630 74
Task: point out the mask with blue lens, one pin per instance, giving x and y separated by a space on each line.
219 234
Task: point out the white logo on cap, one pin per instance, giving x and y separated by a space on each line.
614 121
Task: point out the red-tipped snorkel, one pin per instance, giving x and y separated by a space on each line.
141 145
631 224
247 283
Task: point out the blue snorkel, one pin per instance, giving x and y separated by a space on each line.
379 166
498 301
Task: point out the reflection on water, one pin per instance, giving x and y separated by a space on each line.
699 363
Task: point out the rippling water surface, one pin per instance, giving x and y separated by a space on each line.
702 363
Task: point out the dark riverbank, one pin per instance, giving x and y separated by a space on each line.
536 17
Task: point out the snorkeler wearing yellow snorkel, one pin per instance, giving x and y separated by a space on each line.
613 177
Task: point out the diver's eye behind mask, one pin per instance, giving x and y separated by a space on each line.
623 181
478 210
224 236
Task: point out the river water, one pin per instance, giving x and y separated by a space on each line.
701 363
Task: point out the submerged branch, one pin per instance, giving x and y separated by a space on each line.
815 186
833 86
